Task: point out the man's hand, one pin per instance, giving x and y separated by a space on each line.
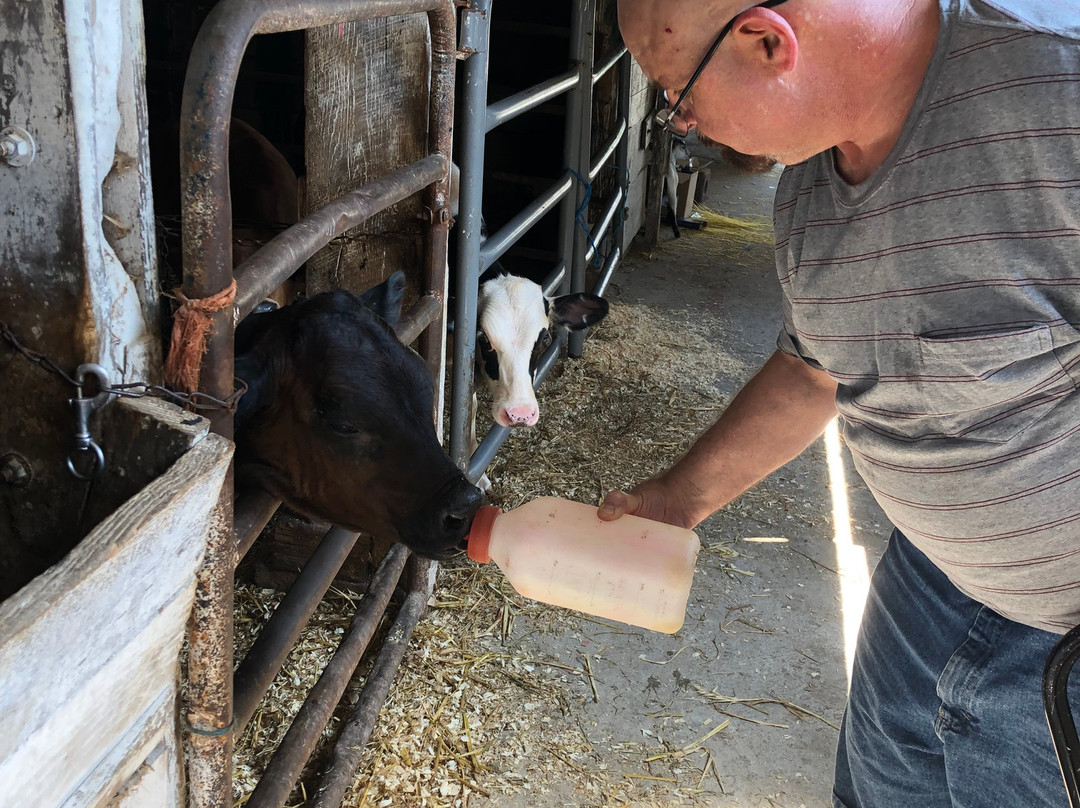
773 418
653 499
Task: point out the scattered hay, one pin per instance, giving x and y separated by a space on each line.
471 720
754 230
720 702
737 241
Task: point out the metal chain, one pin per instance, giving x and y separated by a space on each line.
197 401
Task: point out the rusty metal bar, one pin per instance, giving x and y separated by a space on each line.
250 515
289 15
354 736
442 21
281 632
207 241
423 313
289 758
287 251
208 709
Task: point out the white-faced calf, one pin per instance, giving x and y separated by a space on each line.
515 322
337 421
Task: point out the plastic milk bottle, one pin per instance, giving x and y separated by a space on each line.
560 552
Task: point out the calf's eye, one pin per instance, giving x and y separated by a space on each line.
338 426
487 358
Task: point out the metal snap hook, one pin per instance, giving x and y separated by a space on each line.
84 407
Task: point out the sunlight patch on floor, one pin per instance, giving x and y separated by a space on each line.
850 557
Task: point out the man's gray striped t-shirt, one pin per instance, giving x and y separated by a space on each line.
943 295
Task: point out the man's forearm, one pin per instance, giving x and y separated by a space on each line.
773 419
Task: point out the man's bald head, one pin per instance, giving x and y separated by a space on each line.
669 37
792 79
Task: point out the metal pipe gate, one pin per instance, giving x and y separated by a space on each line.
582 168
218 705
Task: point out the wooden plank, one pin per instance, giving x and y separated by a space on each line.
639 153
147 751
367 111
89 646
150 786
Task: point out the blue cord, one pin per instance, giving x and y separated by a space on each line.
579 217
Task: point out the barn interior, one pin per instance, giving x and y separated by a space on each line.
500 701
522 158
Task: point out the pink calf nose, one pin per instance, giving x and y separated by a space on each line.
525 414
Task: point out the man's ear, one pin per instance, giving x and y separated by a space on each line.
767 37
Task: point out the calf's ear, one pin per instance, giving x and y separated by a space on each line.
385 299
257 374
578 311
251 329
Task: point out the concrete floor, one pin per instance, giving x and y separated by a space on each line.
767 624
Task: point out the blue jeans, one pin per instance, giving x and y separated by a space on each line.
945 709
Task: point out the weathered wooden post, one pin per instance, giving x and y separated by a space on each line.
77 269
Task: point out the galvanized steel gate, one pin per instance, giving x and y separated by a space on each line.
220 705
582 168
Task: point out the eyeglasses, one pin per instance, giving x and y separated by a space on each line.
668 118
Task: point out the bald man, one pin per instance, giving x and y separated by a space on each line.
928 251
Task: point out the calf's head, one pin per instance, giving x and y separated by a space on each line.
338 421
515 321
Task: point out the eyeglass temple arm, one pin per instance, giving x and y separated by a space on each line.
704 63
712 49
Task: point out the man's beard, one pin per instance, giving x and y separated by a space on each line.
743 163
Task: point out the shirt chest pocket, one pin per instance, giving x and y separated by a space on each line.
989 387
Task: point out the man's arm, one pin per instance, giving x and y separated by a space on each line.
773 419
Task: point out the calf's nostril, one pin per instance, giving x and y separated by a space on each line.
522 416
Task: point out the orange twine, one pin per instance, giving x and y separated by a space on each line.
191 325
